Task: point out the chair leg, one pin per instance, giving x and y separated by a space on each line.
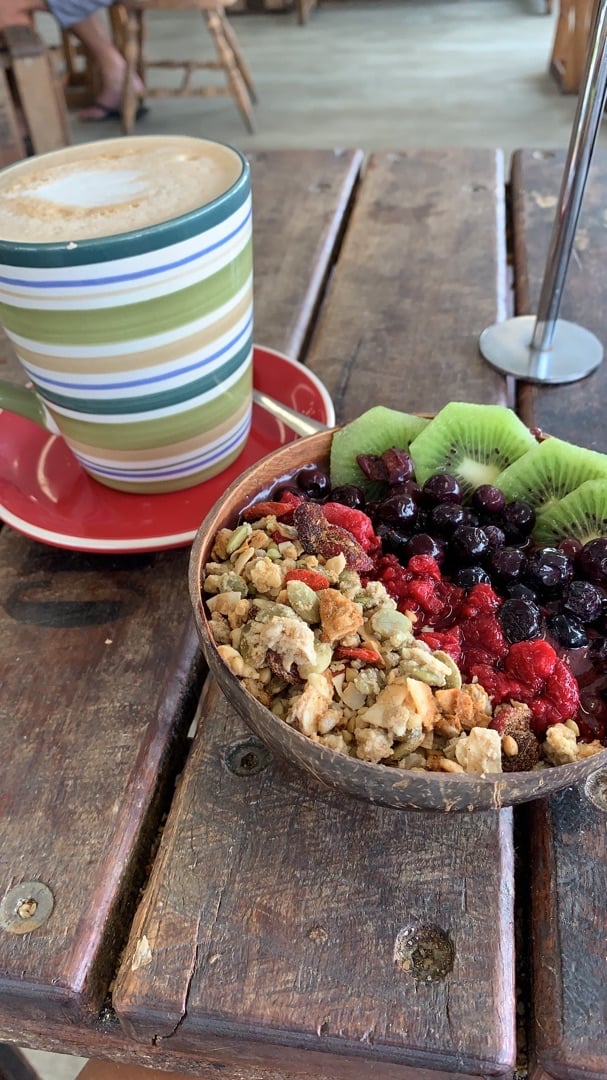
132 41
241 63
238 87
14 1065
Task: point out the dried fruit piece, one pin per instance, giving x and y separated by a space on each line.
312 578
266 509
319 537
367 656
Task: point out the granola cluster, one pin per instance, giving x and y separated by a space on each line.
333 657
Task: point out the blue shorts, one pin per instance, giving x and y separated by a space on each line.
68 12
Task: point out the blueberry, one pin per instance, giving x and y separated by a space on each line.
400 511
583 600
567 631
424 544
349 495
468 544
441 488
506 565
517 520
468 576
521 620
593 560
548 570
313 482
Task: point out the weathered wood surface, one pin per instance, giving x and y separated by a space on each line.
300 202
575 411
99 673
567 852
421 273
568 857
274 913
38 91
11 142
269 924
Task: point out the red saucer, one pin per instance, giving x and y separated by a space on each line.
45 494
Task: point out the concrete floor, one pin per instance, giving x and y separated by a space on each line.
373 74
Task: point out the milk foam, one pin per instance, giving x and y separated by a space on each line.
106 188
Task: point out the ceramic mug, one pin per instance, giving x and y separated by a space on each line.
126 291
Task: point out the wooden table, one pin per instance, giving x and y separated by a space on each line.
215 923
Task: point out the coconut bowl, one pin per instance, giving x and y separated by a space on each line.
381 784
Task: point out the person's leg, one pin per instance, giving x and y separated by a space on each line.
94 35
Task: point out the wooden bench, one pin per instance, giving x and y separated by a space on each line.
33 116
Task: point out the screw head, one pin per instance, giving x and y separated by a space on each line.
25 907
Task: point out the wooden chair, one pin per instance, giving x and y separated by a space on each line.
33 117
129 27
303 8
571 43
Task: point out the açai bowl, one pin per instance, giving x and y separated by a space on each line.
414 610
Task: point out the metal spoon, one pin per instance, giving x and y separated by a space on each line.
302 425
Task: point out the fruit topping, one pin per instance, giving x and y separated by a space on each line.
436 600
475 443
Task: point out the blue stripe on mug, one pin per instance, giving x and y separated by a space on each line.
43 382
204 459
161 400
134 276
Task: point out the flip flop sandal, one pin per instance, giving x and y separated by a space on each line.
108 113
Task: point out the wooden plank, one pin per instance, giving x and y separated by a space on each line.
99 664
300 201
38 91
99 669
567 851
11 143
270 923
575 411
421 273
568 857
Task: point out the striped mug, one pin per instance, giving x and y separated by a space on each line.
126 291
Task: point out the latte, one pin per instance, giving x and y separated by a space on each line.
104 189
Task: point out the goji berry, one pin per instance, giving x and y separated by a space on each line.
312 578
368 656
265 509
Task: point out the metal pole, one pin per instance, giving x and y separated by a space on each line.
545 350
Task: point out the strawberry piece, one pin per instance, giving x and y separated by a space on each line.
355 521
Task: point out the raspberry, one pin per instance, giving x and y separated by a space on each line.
485 632
480 599
424 566
531 661
448 641
357 523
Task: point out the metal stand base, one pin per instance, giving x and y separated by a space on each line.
574 352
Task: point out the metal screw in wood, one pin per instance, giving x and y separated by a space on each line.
25 907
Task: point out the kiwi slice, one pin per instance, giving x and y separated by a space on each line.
581 515
475 443
372 432
549 471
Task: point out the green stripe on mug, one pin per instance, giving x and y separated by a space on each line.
103 326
